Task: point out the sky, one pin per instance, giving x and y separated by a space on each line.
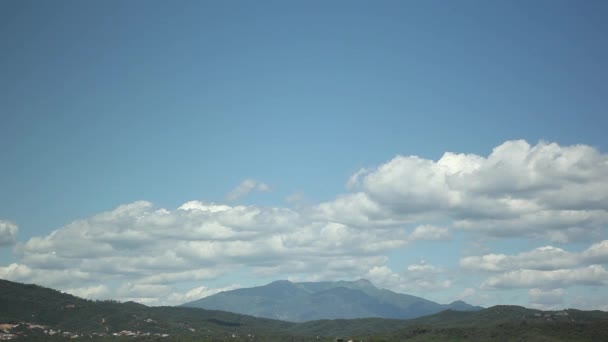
162 151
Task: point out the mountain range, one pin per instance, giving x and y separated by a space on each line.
34 313
306 301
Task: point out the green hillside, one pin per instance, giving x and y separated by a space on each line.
504 323
35 313
59 311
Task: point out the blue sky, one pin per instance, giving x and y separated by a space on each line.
106 103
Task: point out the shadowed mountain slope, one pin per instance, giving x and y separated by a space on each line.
298 302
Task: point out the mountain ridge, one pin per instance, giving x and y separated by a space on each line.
305 301
35 313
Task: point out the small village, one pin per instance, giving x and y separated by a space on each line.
23 329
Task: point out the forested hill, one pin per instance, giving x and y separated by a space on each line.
58 311
33 312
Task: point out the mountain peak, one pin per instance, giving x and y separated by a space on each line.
460 305
364 281
305 301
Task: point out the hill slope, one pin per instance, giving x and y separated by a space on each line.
32 313
53 310
504 323
298 302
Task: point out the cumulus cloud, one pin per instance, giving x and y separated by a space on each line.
167 295
417 278
295 198
56 278
590 275
91 292
246 187
198 293
597 253
466 293
542 258
146 250
8 233
545 190
429 232
543 270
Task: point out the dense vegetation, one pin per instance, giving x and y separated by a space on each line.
38 305
55 310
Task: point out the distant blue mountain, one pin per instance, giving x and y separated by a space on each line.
298 302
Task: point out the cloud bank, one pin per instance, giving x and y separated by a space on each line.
546 190
545 193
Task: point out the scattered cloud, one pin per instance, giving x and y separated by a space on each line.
541 191
545 192
355 180
590 275
147 250
91 292
416 279
542 258
198 293
56 278
295 198
466 293
428 232
167 295
246 187
8 233
547 271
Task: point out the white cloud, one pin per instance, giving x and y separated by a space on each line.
90 292
597 253
198 293
409 184
148 294
146 251
295 198
429 232
416 279
246 187
165 295
546 271
590 275
8 233
545 191
542 258
355 180
559 226
197 205
542 191
423 267
355 209
466 293
59 279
